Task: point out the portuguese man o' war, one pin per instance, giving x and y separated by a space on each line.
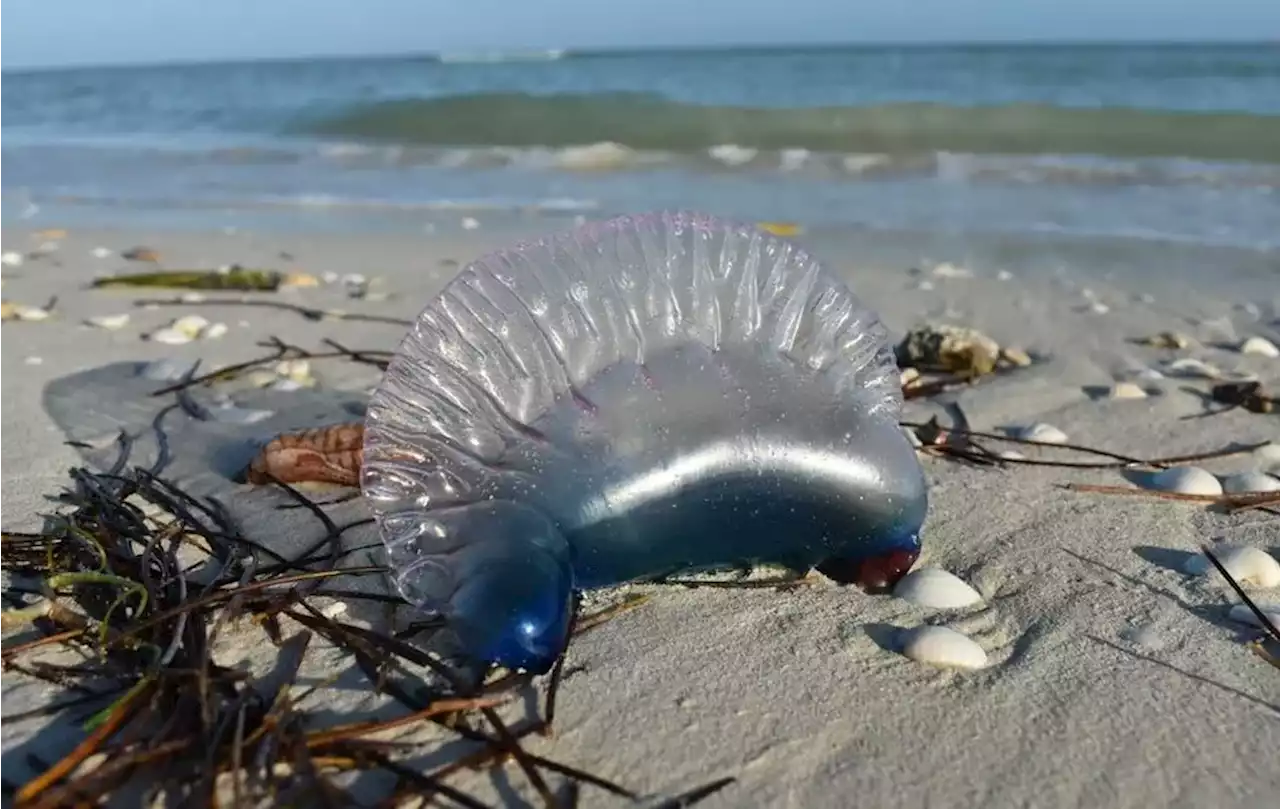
631 399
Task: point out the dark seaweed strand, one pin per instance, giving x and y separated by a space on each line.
173 719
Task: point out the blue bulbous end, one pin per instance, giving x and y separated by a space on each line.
514 588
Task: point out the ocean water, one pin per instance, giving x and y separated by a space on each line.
1175 144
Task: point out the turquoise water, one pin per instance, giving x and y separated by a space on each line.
1172 143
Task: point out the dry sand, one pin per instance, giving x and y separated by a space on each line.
1114 680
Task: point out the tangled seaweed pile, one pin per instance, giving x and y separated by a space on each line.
137 599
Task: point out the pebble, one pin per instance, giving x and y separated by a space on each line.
1241 613
943 647
936 588
1249 565
109 322
1044 433
1128 390
1248 482
1259 345
1186 480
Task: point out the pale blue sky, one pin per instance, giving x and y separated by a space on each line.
58 32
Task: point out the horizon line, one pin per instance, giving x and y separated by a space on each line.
532 53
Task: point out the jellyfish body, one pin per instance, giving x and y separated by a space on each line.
632 399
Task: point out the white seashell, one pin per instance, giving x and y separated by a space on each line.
1241 613
943 647
214 331
109 322
1127 390
101 252
936 588
193 297
1011 455
286 385
924 286
468 223
948 270
1045 433
1246 482
1259 345
296 370
1249 565
1004 275
1191 368
1099 308
191 325
32 313
1186 480
171 336
1148 375
11 259
1268 457
34 360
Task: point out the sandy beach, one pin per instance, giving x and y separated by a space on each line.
1114 678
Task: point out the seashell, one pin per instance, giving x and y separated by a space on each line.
11 259
109 322
1004 275
214 331
171 336
943 647
1148 375
1248 565
1261 346
1267 457
1247 482
1191 368
190 325
100 252
948 348
1127 390
1044 433
948 270
1011 455
936 588
635 397
1167 339
33 360
35 313
1015 356
470 223
1185 480
1240 613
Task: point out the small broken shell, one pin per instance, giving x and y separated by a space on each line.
11 259
1191 368
1041 432
1015 356
470 223
1249 482
1167 339
936 588
1249 565
18 311
943 647
109 322
1186 480
214 331
1127 390
1261 346
170 336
